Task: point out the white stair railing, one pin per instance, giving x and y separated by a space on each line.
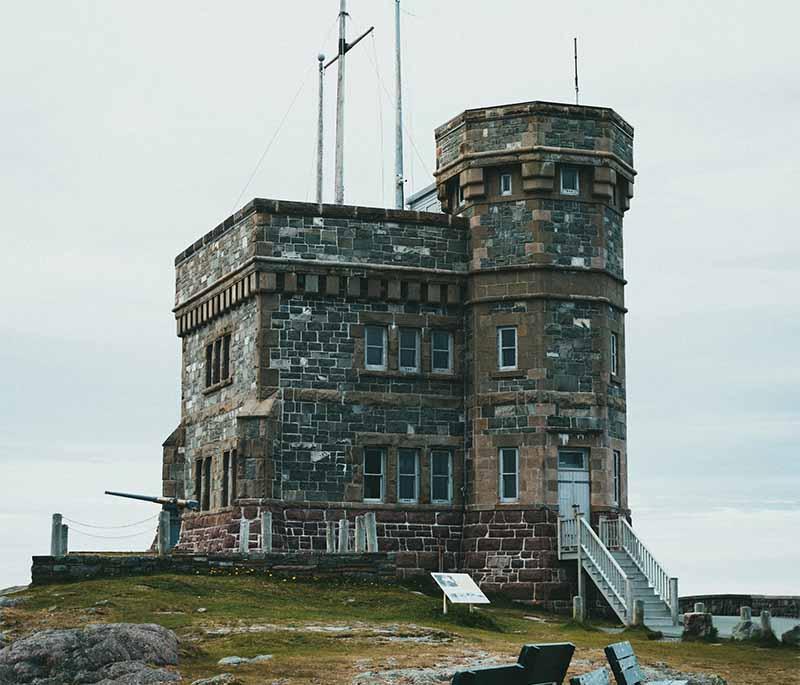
609 532
666 586
597 553
567 536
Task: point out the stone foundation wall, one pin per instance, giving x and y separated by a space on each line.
512 552
515 552
415 536
83 566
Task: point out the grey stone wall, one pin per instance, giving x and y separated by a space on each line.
365 240
79 567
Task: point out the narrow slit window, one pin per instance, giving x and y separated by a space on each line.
198 481
374 463
407 475
569 181
616 480
209 364
232 479
217 357
441 352
375 348
614 345
226 357
507 348
206 504
441 476
509 474
226 465
505 184
409 350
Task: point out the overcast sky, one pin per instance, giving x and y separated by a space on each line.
127 130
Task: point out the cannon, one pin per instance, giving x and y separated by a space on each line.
171 504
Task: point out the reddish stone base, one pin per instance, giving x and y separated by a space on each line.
509 552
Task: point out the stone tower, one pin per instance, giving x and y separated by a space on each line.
544 187
459 374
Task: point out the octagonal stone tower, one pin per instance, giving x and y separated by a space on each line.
544 187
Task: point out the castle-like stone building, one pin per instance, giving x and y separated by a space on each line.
461 374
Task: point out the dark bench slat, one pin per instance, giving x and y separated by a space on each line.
511 674
598 677
547 662
620 649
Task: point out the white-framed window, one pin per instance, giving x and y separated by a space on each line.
614 348
509 474
507 348
375 348
572 459
407 475
409 350
505 184
616 479
441 476
460 195
374 474
570 183
441 351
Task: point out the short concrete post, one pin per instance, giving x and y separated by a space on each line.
244 537
163 533
699 608
55 536
766 623
638 612
674 603
266 531
64 540
745 614
629 601
330 536
361 534
577 609
344 536
371 524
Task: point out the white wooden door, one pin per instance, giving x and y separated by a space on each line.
573 483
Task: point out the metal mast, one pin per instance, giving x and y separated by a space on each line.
576 69
398 151
321 59
339 182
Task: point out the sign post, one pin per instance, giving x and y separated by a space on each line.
459 588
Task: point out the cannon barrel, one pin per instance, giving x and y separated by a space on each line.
164 501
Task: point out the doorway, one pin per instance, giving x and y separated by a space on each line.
573 482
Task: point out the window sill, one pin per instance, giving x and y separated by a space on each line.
509 373
409 375
217 386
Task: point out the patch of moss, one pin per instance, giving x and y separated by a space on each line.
460 615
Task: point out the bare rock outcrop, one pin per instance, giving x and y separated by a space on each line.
108 654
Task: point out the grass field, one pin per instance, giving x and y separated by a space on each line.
329 632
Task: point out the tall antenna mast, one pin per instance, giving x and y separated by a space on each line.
344 48
576 69
321 59
398 147
339 182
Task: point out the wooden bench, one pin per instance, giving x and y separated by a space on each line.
625 667
598 677
544 664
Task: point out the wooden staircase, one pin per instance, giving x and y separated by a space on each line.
623 569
